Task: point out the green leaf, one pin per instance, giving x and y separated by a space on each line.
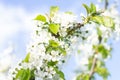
108 21
62 51
27 58
92 8
97 19
102 50
83 77
49 48
53 43
103 20
51 63
99 32
87 8
54 28
68 12
24 74
103 72
78 51
53 10
40 18
60 73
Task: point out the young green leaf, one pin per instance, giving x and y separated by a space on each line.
68 12
103 20
102 72
92 8
83 77
23 74
60 73
87 8
102 50
40 18
108 21
54 28
53 10
27 58
53 43
62 51
99 32
100 63
97 19
51 63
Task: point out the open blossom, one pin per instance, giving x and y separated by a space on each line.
64 19
113 12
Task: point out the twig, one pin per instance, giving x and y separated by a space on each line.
93 67
79 25
106 4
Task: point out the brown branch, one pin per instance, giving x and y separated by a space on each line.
79 25
92 71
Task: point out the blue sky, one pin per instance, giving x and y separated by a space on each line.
18 33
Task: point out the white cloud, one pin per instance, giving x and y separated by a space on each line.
6 59
13 20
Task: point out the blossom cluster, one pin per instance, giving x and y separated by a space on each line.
95 34
46 51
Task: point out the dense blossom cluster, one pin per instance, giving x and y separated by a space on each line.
47 52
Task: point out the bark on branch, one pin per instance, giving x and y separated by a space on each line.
79 25
92 71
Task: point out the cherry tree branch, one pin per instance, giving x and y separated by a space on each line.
93 67
92 71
